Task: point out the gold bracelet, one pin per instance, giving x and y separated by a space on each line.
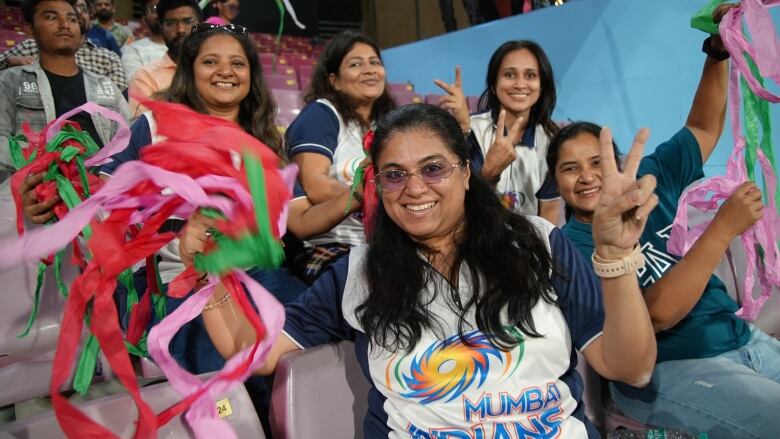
616 268
219 302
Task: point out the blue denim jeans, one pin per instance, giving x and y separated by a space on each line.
732 395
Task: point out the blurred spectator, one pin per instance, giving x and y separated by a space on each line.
96 34
222 11
148 49
104 11
448 13
523 6
478 11
176 18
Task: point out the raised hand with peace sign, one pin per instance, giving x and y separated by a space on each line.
455 100
502 152
625 202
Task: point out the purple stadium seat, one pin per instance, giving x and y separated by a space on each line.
279 70
117 411
330 370
472 101
25 364
289 103
10 38
404 98
432 98
286 98
305 70
272 58
400 87
281 82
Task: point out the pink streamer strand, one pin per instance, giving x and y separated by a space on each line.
115 145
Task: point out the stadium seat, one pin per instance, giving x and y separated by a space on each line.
116 412
404 98
433 98
302 378
473 102
286 98
289 104
593 393
25 366
10 38
281 82
400 87
272 58
279 70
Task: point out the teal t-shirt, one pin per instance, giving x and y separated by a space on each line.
711 327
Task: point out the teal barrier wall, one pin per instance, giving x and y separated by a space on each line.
623 63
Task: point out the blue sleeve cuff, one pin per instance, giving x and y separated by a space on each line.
316 129
315 318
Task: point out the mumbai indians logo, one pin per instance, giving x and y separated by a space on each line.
512 200
448 368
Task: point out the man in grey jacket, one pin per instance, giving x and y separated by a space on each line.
40 92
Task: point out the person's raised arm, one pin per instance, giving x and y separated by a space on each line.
626 351
707 116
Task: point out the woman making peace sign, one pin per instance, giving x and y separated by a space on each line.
464 314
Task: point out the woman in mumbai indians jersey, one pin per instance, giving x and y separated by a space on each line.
464 315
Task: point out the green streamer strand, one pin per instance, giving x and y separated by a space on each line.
15 149
85 371
756 113
36 301
357 180
158 300
58 273
250 250
702 20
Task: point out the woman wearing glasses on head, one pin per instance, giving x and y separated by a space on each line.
463 313
346 97
222 11
219 74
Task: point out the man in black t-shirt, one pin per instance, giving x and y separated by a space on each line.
40 92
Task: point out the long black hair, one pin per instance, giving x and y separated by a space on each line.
508 261
541 111
564 135
257 110
329 63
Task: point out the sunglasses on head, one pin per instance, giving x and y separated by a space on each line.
209 27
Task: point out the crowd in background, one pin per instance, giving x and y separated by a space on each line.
463 251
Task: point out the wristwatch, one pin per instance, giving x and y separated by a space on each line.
720 55
620 267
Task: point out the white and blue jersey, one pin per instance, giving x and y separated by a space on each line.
320 129
444 387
